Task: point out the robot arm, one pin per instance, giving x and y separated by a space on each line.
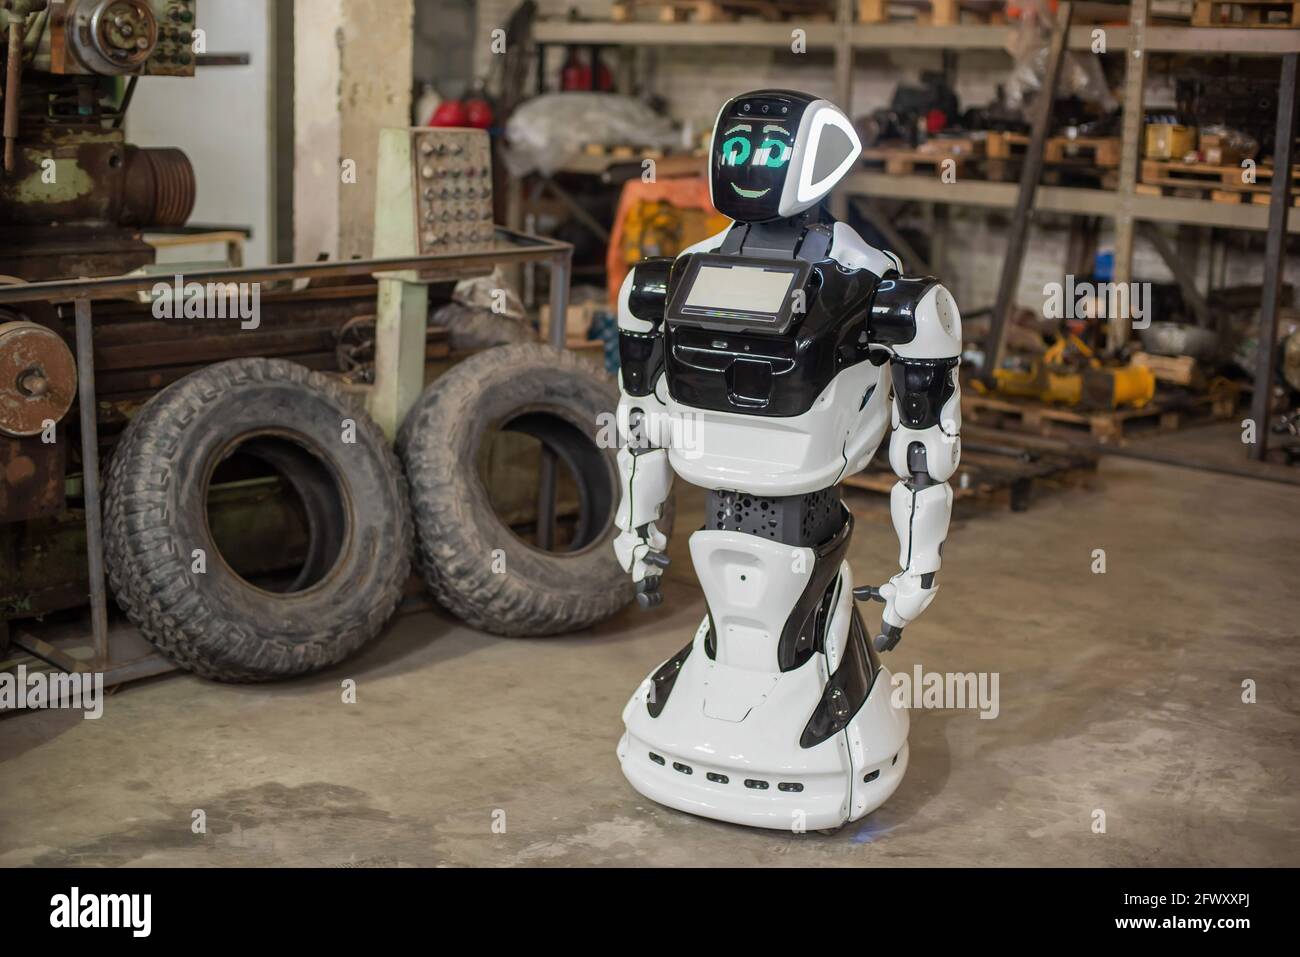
925 447
643 465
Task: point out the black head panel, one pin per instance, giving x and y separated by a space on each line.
752 151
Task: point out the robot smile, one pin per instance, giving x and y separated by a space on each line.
751 193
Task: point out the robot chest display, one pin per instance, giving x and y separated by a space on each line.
738 365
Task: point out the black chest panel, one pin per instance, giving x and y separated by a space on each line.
744 368
777 375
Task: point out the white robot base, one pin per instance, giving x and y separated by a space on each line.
725 741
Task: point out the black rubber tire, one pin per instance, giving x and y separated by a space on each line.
216 624
457 531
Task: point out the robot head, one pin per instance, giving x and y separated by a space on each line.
775 153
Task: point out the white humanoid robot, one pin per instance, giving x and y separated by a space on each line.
765 365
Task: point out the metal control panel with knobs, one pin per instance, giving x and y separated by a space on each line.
114 37
434 192
175 54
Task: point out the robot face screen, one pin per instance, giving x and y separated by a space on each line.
753 145
752 159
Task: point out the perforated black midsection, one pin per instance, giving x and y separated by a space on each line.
801 520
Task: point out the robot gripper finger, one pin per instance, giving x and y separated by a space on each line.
648 594
868 593
889 637
657 559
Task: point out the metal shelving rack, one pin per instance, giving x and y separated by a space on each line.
845 37
1123 205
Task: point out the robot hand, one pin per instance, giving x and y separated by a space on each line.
905 596
641 553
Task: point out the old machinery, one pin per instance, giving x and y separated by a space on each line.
38 379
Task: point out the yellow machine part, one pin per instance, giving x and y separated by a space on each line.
1094 385
1133 385
658 228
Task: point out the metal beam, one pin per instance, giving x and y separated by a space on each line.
513 247
909 36
1032 170
872 213
90 480
1178 266
1065 199
1135 75
744 33
1274 251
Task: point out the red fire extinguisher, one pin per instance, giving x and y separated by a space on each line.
478 112
450 113
574 75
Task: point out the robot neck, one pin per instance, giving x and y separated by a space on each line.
784 238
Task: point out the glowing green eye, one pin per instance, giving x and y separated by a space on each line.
735 151
772 153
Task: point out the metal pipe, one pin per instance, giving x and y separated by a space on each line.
559 296
547 479
13 87
90 481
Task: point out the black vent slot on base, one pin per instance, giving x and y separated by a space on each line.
800 520
756 785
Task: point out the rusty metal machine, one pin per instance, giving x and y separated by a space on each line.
74 197
84 356
74 194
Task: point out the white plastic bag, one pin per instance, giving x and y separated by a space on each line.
547 131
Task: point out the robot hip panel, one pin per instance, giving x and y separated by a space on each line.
771 455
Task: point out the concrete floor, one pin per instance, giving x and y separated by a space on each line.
1119 692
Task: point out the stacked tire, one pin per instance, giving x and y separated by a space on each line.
169 575
471 561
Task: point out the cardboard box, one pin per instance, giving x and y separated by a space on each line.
578 320
1219 150
1169 141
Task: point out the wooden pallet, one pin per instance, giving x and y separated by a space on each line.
997 464
1280 14
1209 176
1095 159
1178 192
906 162
939 13
1220 184
1229 196
722 11
1240 197
1000 144
1066 174
1101 151
1113 426
621 151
